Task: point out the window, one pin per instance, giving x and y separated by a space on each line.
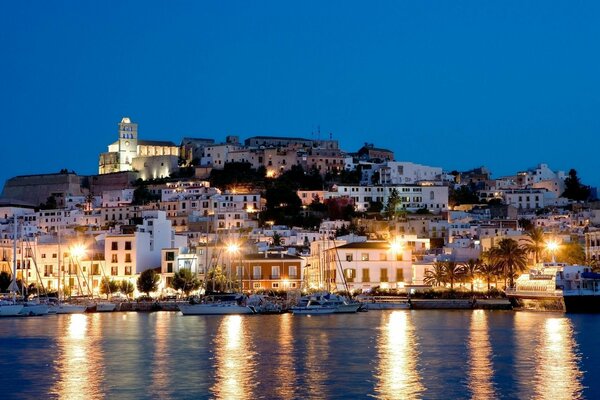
128 257
169 267
128 245
275 272
170 256
128 270
256 272
115 258
364 257
350 274
95 269
348 256
399 275
114 271
114 246
293 285
275 285
365 275
256 285
384 275
293 271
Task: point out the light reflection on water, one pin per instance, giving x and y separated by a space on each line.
557 361
548 355
161 373
398 376
285 376
235 375
79 358
387 355
481 370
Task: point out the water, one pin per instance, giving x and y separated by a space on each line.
380 354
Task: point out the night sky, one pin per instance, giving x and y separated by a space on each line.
456 84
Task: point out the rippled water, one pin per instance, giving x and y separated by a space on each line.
387 355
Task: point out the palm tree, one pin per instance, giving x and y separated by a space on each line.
510 258
454 272
471 269
535 243
487 270
437 275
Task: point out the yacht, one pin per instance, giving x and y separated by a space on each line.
557 287
9 308
217 305
314 307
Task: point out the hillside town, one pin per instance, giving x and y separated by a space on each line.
276 214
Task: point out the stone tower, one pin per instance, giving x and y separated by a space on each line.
128 141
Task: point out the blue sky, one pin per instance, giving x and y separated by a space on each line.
456 84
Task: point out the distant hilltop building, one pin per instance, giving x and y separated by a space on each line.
152 159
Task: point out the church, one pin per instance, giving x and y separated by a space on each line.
151 158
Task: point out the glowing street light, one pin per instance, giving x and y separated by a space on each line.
552 246
78 251
396 246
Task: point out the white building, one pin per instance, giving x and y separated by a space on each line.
412 197
366 265
132 253
402 173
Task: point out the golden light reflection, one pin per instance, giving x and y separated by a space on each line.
547 353
481 369
286 372
161 364
79 358
398 376
316 365
235 376
558 362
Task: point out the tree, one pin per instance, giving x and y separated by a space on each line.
509 257
487 270
126 288
276 239
571 253
216 281
108 286
454 272
535 243
437 275
5 279
148 281
185 281
471 269
464 194
574 190
392 204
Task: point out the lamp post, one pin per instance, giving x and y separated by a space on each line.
233 249
552 246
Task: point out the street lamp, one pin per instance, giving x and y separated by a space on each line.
233 249
552 246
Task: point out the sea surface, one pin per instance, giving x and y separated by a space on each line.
403 354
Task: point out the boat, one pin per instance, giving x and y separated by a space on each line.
34 308
266 304
339 303
67 308
385 303
314 307
557 287
9 308
217 305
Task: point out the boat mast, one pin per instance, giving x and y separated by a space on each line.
13 284
59 266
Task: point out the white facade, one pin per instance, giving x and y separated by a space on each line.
412 197
399 173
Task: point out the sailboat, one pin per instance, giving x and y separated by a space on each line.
218 304
60 307
10 308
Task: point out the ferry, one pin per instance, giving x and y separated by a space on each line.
557 287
